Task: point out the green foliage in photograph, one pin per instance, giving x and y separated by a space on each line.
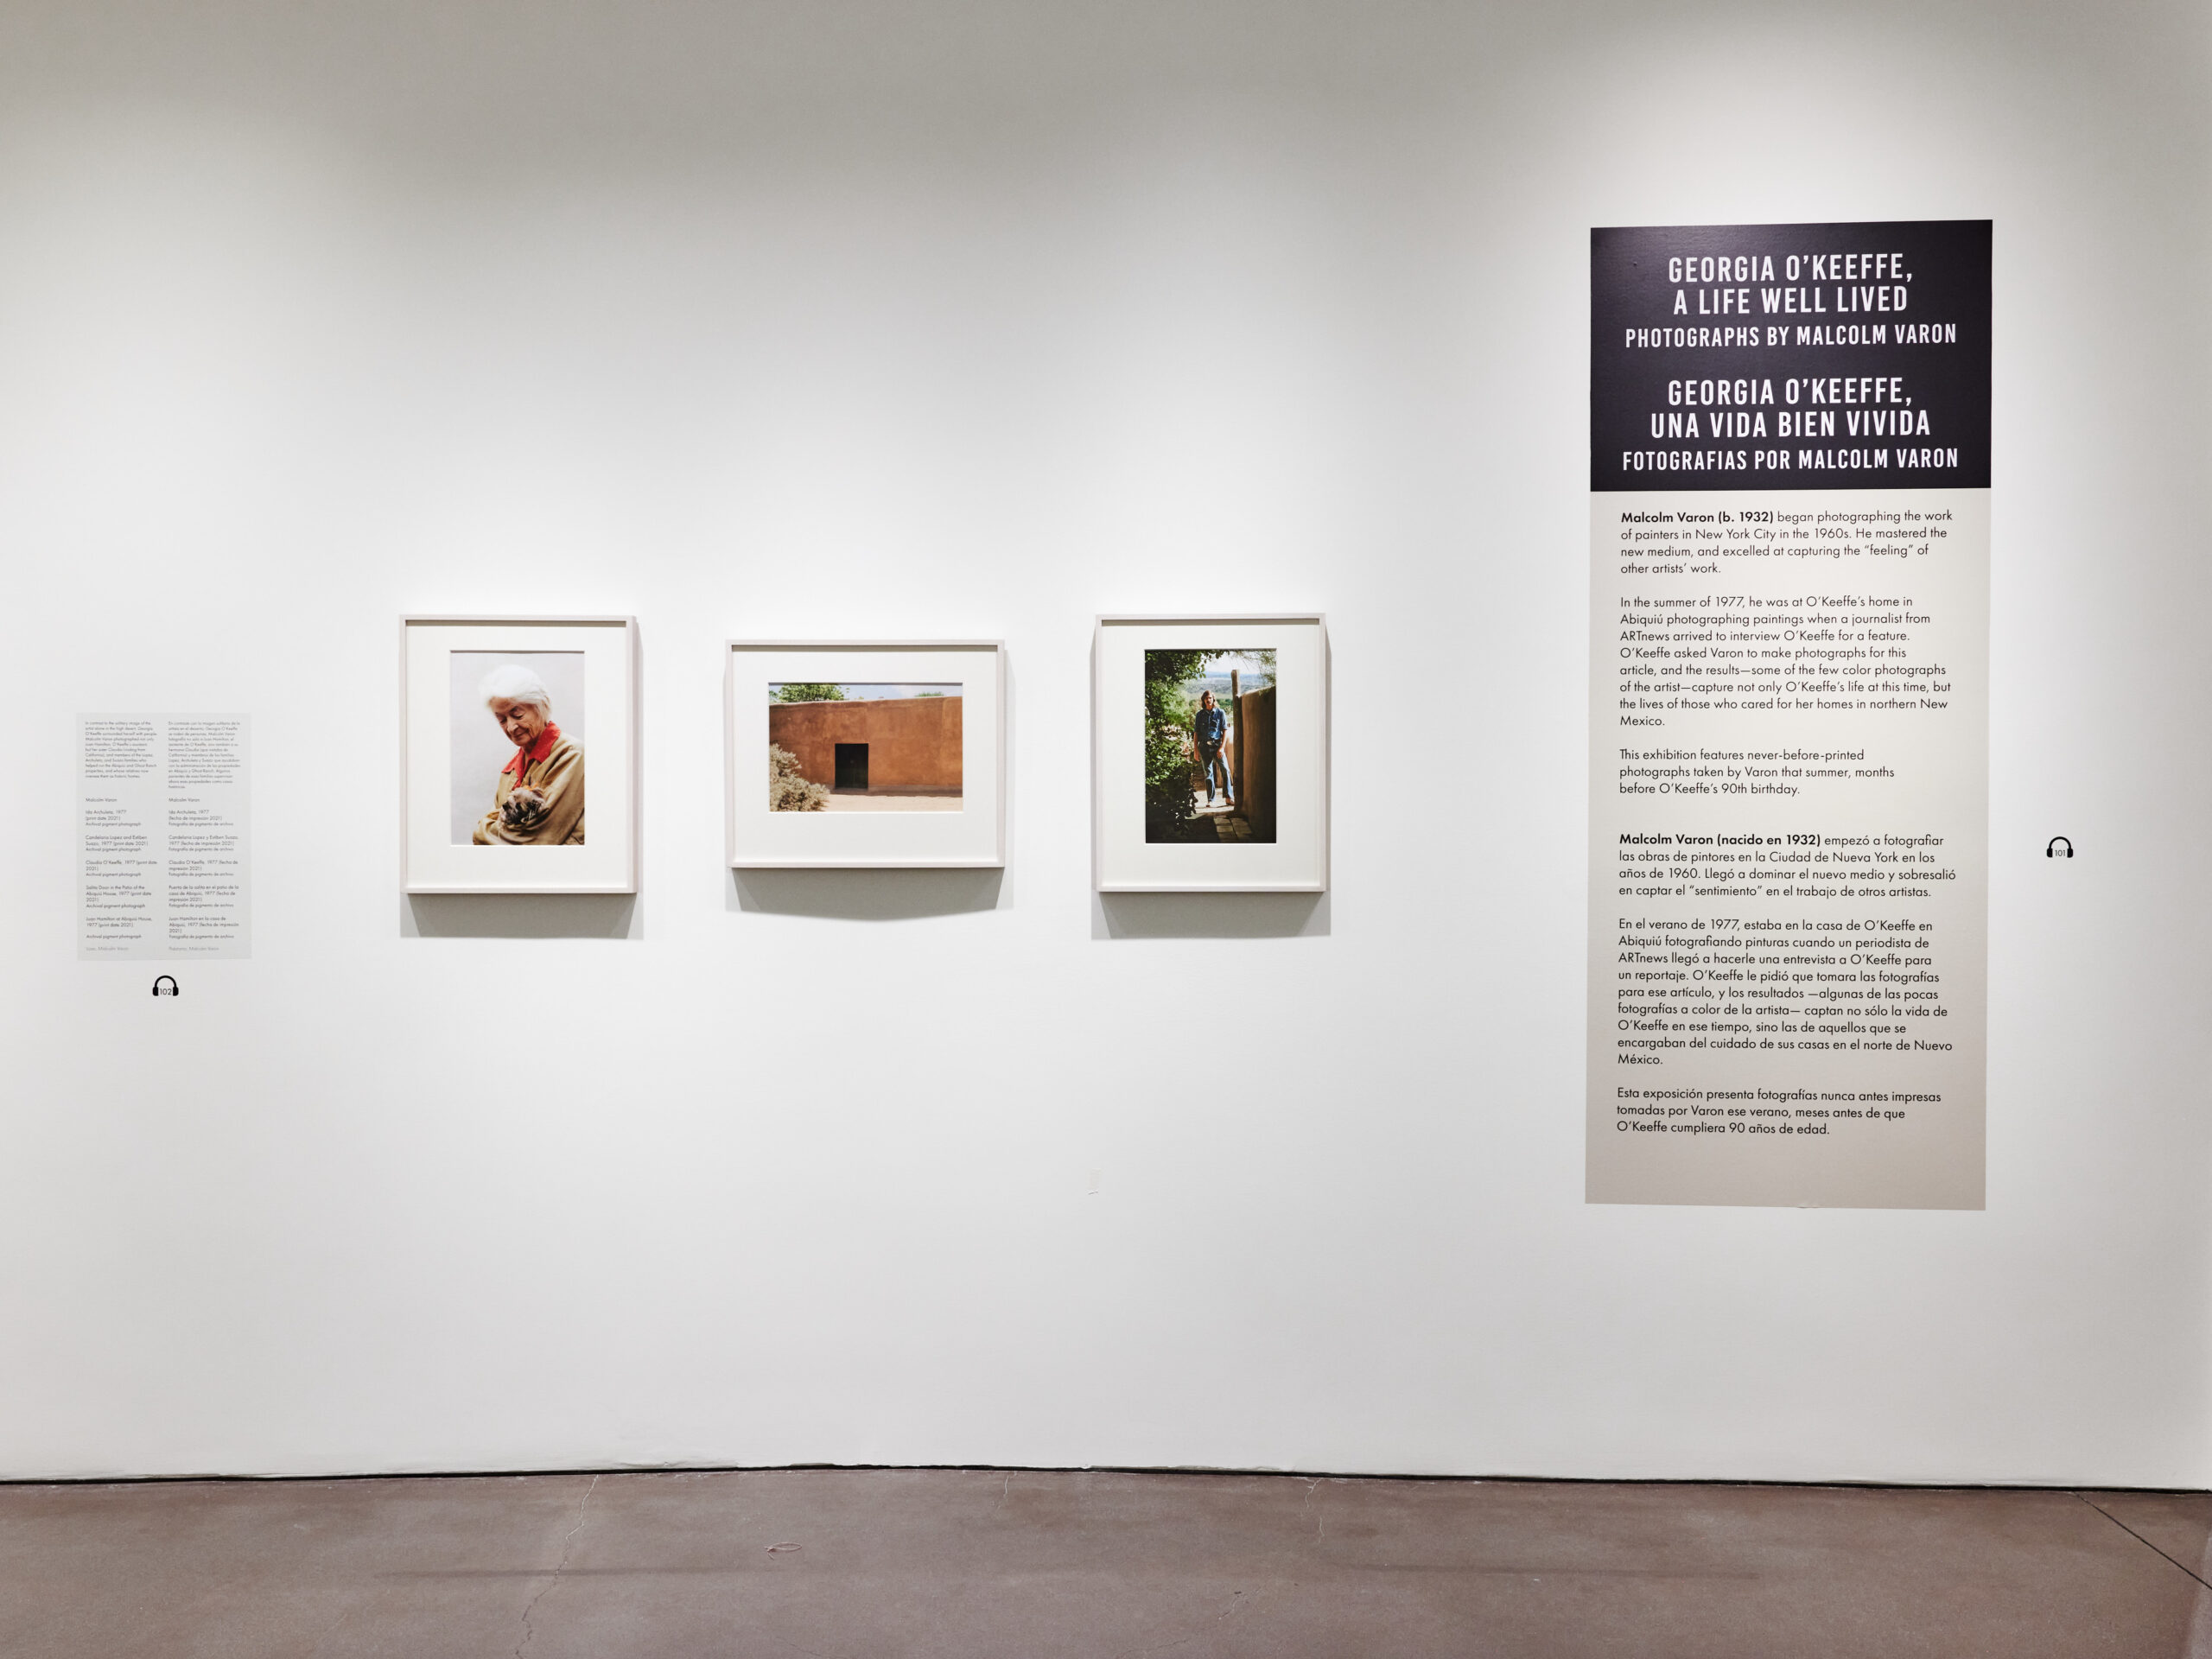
1169 814
787 791
806 691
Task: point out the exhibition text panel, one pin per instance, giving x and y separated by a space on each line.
1789 719
164 837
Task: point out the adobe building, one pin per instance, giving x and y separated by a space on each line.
887 745
1254 759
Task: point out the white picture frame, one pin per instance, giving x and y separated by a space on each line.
1294 855
907 824
440 751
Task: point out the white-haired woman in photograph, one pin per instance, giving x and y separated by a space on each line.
539 801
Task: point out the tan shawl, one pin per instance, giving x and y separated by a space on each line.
559 777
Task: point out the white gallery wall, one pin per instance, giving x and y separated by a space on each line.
976 319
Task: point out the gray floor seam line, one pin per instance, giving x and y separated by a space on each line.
2139 1538
579 1472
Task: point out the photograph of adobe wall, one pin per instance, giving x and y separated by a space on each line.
865 748
1254 713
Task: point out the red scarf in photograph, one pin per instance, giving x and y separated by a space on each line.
526 759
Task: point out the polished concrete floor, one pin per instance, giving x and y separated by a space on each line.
845 1564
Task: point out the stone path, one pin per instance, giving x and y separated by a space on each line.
1227 824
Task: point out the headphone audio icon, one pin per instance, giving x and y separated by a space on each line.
169 980
2056 841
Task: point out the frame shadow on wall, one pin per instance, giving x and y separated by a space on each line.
1209 915
521 916
864 895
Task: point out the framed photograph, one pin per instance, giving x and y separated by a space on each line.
887 756
1210 744
499 717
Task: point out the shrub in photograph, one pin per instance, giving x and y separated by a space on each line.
787 791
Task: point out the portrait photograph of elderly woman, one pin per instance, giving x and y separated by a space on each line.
518 748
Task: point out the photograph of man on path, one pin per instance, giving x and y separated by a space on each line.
1209 729
1208 749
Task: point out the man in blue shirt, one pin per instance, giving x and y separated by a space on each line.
1209 730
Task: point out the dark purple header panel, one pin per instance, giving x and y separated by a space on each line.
1791 357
